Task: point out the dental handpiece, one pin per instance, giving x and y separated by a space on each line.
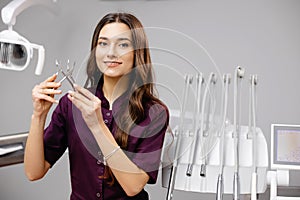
239 74
196 129
204 133
220 186
253 84
171 185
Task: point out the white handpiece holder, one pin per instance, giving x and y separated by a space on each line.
208 184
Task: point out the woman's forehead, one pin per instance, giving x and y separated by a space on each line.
115 30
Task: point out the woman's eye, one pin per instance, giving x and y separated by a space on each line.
103 44
124 45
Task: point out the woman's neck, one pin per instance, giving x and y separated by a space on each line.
113 87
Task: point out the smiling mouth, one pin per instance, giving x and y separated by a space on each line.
112 63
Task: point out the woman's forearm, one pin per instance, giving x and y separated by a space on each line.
121 166
34 160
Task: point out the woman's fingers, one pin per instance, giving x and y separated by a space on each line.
80 97
84 99
46 90
40 96
50 85
51 78
86 93
50 91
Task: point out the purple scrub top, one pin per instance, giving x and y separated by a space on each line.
67 130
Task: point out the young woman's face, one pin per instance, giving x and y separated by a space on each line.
114 52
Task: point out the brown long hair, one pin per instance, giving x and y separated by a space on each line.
141 80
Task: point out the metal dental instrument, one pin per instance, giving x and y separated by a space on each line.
253 85
238 75
225 91
204 132
192 156
188 81
68 74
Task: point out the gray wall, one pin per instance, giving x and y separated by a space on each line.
262 36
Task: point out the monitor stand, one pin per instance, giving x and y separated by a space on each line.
281 178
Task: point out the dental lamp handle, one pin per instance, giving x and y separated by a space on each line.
41 60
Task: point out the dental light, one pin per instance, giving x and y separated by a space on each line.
15 50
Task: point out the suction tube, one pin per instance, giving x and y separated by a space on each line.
204 132
253 85
188 81
239 74
220 186
192 157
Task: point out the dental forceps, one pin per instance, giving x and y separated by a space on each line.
66 74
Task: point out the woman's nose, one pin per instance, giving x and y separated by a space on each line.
112 53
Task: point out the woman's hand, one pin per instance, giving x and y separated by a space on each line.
43 95
88 104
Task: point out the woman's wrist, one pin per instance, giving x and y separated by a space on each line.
38 117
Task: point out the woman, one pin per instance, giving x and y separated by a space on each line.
119 110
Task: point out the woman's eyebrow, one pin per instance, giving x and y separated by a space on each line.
102 38
121 39
118 39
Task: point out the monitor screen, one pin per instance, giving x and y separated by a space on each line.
285 146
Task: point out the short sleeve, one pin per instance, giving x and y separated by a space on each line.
148 145
55 138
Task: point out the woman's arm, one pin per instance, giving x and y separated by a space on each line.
129 175
34 161
43 98
131 178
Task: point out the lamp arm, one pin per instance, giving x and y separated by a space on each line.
15 7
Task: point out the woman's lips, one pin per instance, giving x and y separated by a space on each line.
112 63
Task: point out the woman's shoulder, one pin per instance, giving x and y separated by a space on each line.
155 110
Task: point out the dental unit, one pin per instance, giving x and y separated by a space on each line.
15 50
171 185
215 147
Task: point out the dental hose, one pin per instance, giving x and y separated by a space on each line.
220 186
192 157
204 133
239 73
254 141
171 185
